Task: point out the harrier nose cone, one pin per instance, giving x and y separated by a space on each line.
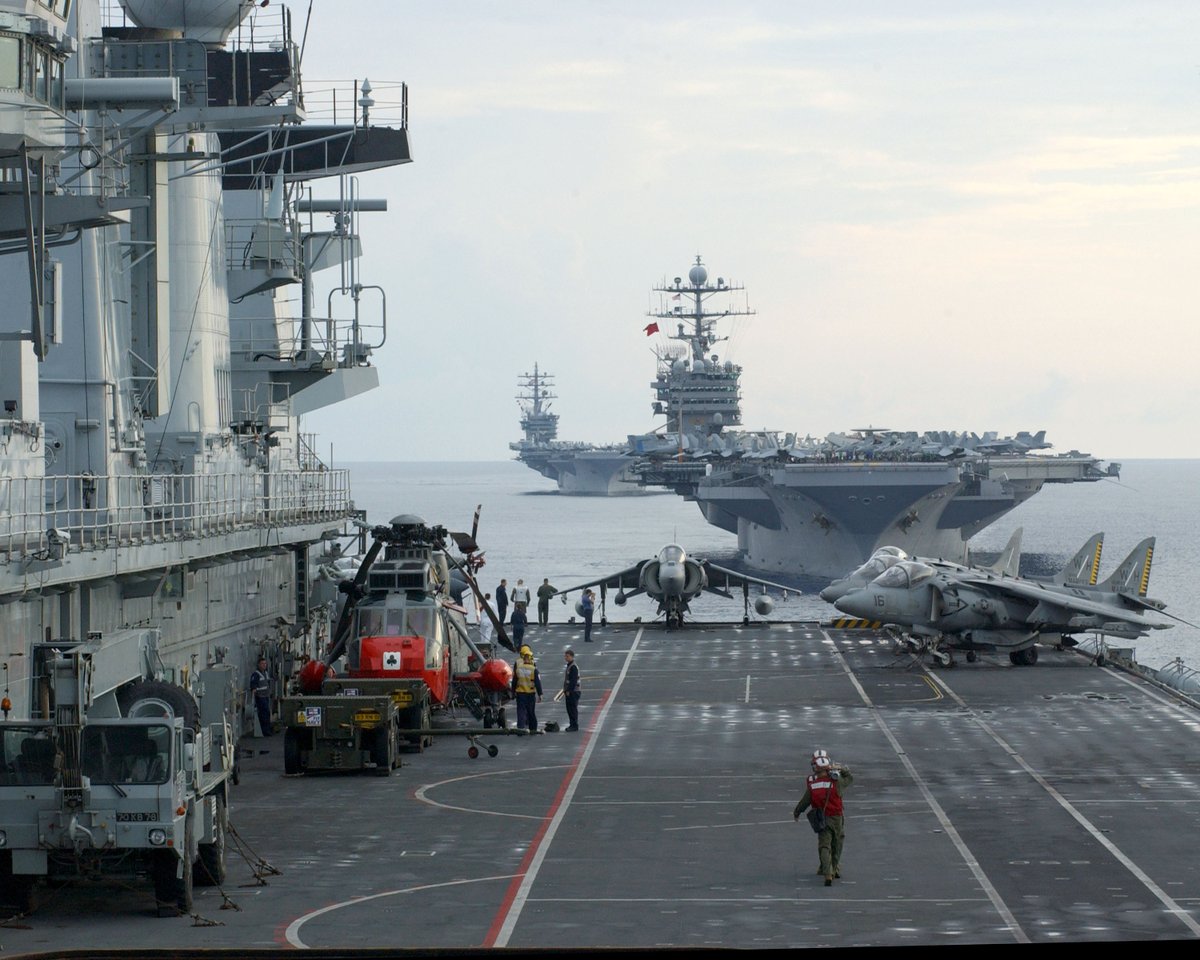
832 592
857 603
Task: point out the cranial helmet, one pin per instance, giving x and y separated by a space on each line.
820 753
821 763
525 651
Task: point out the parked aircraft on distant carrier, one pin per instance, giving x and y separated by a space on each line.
674 579
941 608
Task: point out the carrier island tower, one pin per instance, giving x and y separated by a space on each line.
820 507
176 300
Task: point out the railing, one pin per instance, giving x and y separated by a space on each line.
259 242
340 101
258 338
45 515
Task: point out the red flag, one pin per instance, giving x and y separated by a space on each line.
676 297
651 328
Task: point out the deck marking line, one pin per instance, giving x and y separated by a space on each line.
292 933
964 851
421 794
1163 897
747 688
510 910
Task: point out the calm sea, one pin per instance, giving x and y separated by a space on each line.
529 531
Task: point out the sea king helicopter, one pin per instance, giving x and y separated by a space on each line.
402 632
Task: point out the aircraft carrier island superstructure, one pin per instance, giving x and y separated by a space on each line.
820 507
583 469
154 208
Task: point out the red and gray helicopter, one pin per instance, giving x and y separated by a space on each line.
403 617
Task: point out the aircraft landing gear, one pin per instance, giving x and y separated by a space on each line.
972 656
942 658
1024 658
473 749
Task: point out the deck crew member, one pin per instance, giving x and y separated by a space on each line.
260 690
520 595
502 600
519 621
487 630
544 593
587 606
823 791
527 687
571 690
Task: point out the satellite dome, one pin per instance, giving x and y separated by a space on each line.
679 366
209 21
697 275
717 420
701 364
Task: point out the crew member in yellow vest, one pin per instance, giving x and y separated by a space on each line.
527 686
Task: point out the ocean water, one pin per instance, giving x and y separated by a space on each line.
529 531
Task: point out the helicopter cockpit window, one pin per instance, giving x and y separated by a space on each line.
395 623
420 622
434 645
370 623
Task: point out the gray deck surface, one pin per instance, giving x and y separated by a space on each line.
991 804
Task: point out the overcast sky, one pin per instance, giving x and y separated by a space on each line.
960 216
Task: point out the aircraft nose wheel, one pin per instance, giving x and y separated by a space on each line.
493 750
473 752
972 656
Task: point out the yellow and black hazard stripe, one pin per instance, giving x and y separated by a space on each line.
853 623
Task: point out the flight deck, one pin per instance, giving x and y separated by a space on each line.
991 803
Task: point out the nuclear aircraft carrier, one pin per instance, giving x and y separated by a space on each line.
991 804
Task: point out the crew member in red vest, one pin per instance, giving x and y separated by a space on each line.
823 791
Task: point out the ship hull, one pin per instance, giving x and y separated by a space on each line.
595 474
823 520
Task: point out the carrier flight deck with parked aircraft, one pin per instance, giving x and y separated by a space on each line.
992 803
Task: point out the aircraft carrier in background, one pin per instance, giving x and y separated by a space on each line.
805 506
155 209
582 469
821 507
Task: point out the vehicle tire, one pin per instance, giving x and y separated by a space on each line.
424 720
493 750
173 893
182 703
381 752
1016 657
1031 656
473 752
426 724
16 891
502 719
488 720
972 656
291 752
210 865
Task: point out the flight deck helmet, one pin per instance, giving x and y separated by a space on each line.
821 764
526 652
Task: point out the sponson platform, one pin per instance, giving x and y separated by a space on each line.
991 804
